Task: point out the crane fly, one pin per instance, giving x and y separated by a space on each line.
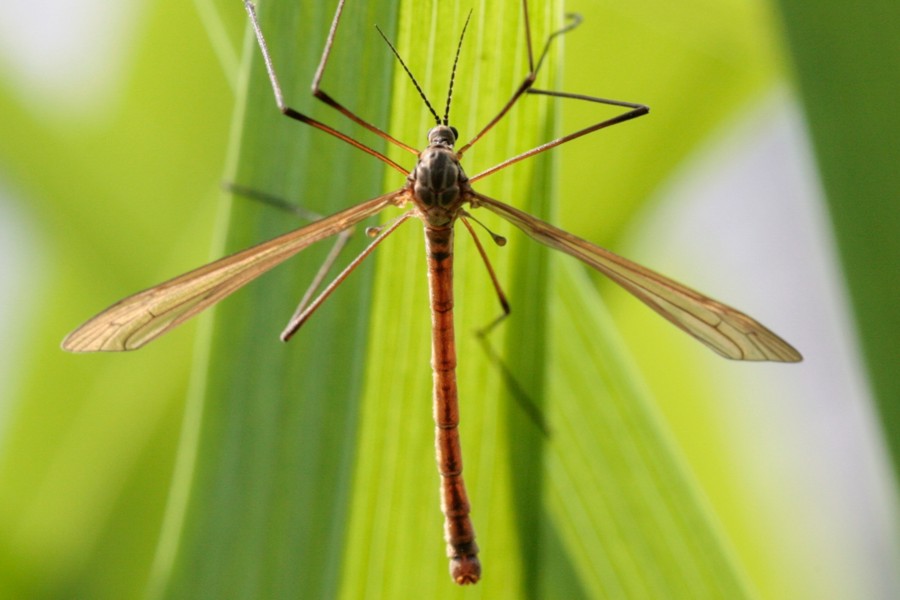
439 193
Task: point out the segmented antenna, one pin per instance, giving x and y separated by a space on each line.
453 71
437 119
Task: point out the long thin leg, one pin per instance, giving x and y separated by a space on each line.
637 110
294 114
518 392
303 311
501 297
340 242
523 87
271 200
321 95
529 79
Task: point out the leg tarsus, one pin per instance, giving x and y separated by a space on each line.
297 115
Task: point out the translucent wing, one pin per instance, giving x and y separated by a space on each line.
138 319
729 332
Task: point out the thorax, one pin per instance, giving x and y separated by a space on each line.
439 185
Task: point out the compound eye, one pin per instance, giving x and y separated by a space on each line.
455 133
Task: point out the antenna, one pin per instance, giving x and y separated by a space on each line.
453 71
437 119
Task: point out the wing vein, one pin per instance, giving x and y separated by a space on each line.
723 329
144 316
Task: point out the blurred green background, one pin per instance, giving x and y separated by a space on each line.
763 175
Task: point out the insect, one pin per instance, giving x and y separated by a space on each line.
440 194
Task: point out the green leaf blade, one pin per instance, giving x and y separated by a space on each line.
320 455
